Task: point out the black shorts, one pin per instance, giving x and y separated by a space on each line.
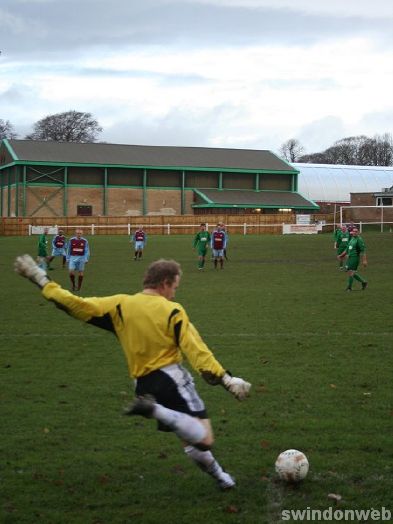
172 387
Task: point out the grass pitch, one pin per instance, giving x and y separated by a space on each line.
320 361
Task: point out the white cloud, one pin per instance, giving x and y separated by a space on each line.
359 8
157 81
11 22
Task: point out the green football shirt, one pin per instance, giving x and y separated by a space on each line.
201 240
356 247
42 246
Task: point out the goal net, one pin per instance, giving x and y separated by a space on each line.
368 218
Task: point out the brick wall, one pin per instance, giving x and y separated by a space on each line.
158 199
363 199
124 201
85 196
42 201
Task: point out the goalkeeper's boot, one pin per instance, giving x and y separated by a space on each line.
364 285
226 482
143 406
224 479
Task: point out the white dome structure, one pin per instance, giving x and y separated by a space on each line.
335 183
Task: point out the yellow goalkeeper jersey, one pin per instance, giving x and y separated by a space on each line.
153 331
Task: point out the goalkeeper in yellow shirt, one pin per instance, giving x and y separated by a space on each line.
154 333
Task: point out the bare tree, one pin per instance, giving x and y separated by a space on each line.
291 150
71 126
356 150
346 150
6 130
314 158
378 151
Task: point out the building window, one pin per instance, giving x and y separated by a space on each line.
84 211
384 201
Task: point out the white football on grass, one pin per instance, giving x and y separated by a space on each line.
292 465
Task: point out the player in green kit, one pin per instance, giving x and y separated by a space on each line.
42 251
201 241
341 239
355 251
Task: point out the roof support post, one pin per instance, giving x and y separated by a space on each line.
24 191
294 182
256 181
220 177
65 191
16 191
183 193
9 194
144 193
105 193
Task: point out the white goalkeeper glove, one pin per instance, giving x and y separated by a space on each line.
26 267
237 386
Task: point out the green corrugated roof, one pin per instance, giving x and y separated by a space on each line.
253 199
154 156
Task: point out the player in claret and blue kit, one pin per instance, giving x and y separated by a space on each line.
218 245
59 247
78 254
139 239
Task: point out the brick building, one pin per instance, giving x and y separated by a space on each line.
49 179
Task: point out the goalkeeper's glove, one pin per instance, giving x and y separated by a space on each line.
235 385
26 267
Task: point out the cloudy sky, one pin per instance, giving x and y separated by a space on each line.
212 73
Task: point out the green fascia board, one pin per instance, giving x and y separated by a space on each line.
202 189
166 168
61 184
164 188
114 186
44 184
99 186
256 206
10 150
203 196
94 186
251 206
11 164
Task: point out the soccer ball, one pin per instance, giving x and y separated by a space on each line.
292 465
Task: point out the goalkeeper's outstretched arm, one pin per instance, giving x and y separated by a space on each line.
96 311
26 267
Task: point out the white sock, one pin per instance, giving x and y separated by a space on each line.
184 426
206 461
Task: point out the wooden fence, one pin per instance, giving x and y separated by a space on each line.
159 225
